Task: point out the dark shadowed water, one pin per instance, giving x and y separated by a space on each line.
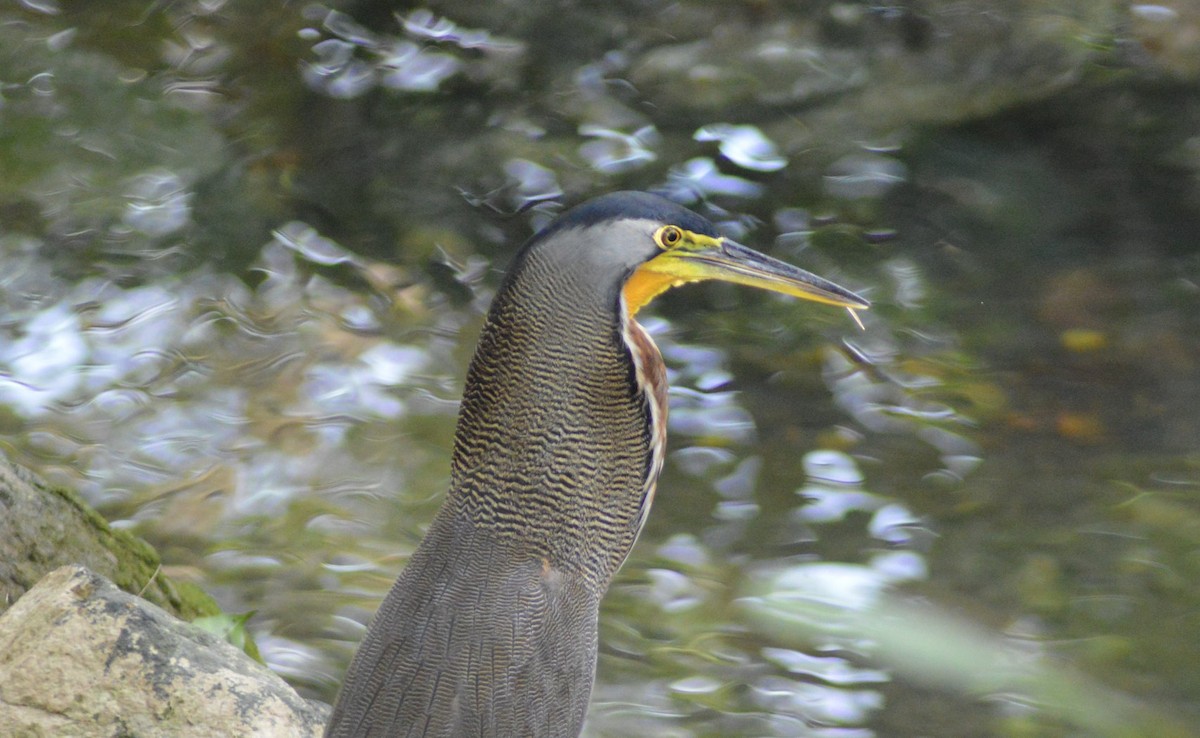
247 248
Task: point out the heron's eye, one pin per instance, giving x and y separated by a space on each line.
669 237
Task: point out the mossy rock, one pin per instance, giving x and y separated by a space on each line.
43 527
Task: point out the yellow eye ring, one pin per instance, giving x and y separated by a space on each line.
669 237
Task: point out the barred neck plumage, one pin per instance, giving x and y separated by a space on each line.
558 444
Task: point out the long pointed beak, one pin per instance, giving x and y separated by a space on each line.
729 261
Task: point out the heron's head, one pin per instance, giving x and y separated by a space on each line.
643 245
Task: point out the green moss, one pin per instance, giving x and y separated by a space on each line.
139 568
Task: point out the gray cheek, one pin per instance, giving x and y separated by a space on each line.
606 248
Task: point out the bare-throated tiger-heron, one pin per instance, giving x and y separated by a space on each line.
491 628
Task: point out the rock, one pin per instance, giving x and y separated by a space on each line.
81 658
44 527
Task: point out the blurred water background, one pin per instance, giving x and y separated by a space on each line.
246 248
